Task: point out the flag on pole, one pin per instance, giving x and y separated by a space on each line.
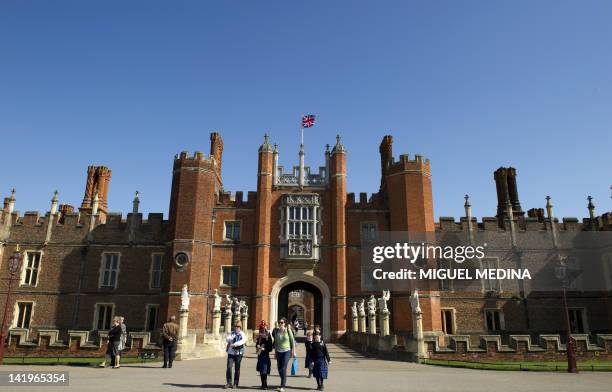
308 120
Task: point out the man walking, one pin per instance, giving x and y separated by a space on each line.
170 336
235 350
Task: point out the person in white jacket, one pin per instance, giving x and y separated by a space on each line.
235 349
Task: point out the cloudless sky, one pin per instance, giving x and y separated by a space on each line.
472 85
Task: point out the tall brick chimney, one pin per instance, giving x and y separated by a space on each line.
98 179
386 159
505 182
216 149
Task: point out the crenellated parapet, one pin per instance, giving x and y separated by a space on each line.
531 224
236 200
419 164
374 202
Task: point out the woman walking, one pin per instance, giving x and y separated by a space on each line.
112 348
284 345
320 358
122 341
235 349
264 347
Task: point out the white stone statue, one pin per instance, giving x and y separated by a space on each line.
217 303
185 298
235 306
414 302
382 302
361 308
242 305
354 310
372 306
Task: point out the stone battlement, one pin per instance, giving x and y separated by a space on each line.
374 202
405 164
602 222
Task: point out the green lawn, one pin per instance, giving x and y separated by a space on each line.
591 365
76 361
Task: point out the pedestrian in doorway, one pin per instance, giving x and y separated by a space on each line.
170 337
305 325
307 344
320 358
264 346
112 348
235 350
284 346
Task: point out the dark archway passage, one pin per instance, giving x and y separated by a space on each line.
283 300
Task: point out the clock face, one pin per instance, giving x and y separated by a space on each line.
181 259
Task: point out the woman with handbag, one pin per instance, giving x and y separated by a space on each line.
284 346
264 347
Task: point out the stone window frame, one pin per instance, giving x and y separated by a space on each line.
362 224
453 319
16 313
225 222
24 268
96 312
161 270
221 284
502 321
307 199
585 320
102 269
484 289
147 312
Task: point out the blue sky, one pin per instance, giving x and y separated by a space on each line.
472 85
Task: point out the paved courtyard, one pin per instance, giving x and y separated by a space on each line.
349 371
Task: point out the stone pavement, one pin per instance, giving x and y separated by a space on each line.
349 371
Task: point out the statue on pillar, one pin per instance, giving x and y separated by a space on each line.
217 302
372 306
414 302
361 308
184 298
382 302
235 306
354 310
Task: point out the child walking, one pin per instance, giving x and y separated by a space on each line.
320 358
308 362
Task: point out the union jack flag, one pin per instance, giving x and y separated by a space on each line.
308 120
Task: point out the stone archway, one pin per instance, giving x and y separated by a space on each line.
307 282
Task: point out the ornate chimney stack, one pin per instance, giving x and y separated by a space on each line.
216 149
507 191
98 179
386 159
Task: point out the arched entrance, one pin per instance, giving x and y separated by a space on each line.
284 310
279 306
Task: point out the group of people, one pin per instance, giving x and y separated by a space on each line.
282 340
117 337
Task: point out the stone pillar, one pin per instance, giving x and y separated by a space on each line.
235 319
245 320
417 328
183 318
355 323
384 322
372 317
216 322
228 320
362 323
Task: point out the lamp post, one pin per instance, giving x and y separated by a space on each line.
14 265
213 219
562 274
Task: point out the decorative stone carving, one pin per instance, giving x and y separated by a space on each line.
382 302
217 302
414 302
302 199
300 247
184 298
361 308
372 306
354 310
